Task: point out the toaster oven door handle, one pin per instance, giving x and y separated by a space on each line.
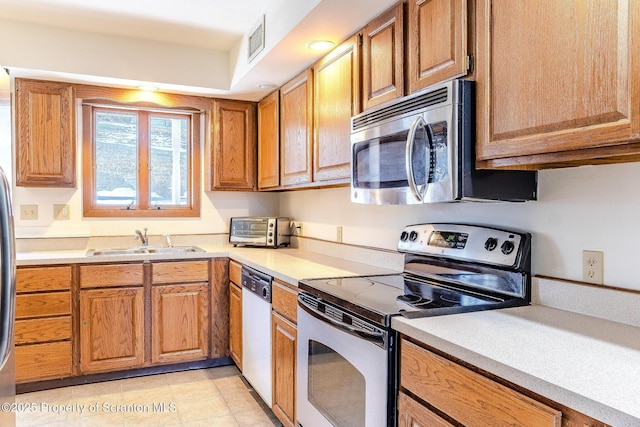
411 140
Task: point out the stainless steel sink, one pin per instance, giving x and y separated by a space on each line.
141 250
174 250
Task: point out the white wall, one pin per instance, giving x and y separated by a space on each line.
591 207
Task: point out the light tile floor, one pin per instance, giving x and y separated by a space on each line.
206 397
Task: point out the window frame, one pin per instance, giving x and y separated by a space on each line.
144 208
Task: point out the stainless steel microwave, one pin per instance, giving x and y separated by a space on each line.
271 232
421 149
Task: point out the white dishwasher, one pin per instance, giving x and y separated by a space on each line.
256 331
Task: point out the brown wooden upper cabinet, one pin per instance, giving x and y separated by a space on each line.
296 130
45 134
383 58
558 83
231 162
269 142
437 42
336 99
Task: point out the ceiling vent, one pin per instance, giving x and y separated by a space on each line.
256 39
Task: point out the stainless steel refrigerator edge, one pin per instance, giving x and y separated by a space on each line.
7 305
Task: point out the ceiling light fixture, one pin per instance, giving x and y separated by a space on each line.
320 45
147 88
267 86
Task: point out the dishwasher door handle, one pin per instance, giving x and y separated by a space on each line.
376 337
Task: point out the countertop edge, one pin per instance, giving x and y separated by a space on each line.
554 391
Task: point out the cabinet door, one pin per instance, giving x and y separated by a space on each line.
46 155
269 142
336 100
557 82
383 58
235 324
296 130
180 323
284 369
232 162
111 329
437 31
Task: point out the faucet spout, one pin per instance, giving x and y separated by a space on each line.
143 237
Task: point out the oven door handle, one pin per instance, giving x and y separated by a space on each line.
377 338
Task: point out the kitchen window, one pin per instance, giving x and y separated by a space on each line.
140 162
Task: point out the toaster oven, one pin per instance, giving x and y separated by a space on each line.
270 232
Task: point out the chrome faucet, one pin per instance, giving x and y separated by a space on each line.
143 237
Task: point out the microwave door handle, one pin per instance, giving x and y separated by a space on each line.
411 139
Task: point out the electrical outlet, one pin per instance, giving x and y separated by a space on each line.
339 234
593 267
60 211
298 230
28 212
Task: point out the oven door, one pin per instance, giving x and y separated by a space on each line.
341 378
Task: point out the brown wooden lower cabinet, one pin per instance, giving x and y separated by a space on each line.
435 388
412 413
180 330
285 341
111 329
96 318
284 344
43 361
235 324
43 329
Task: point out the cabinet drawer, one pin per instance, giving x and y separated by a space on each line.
235 273
285 301
43 279
467 396
413 414
180 272
43 361
42 330
100 276
40 305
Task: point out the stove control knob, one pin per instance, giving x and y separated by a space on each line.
507 247
413 236
404 236
491 243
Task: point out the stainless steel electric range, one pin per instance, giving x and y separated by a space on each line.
346 347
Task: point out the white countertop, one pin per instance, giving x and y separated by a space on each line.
586 363
286 264
292 265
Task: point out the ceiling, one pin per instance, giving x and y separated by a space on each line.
202 41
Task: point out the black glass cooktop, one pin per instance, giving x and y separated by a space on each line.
380 297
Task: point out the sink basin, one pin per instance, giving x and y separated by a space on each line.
141 250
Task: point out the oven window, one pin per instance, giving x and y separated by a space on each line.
249 229
336 387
